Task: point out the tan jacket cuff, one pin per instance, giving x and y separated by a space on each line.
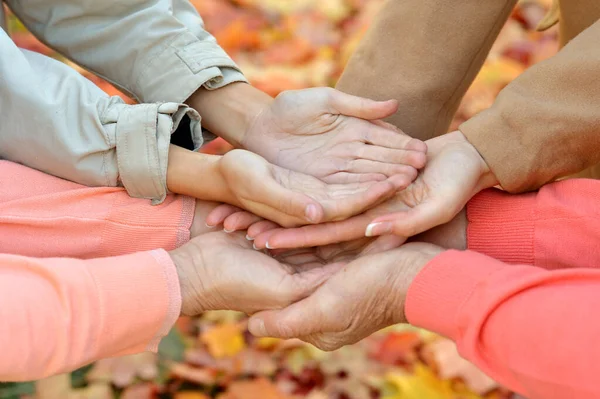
505 154
183 66
141 136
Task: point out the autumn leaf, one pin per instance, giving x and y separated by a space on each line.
224 340
259 388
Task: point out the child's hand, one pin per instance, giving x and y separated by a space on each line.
291 198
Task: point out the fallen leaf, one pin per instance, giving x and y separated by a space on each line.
223 340
259 388
450 365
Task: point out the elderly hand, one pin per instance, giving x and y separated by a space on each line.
219 271
454 173
367 295
334 136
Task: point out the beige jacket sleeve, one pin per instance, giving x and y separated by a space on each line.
156 50
55 120
546 123
425 54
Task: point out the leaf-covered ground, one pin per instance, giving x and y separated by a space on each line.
292 44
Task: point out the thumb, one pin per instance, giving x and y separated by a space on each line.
299 319
297 205
359 107
407 224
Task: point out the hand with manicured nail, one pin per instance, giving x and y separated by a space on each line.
454 173
292 198
334 136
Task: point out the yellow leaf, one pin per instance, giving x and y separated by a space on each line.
190 395
423 384
225 340
267 342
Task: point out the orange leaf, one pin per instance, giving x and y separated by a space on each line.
259 388
190 395
399 348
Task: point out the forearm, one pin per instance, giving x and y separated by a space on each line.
229 111
71 220
508 320
75 311
197 175
408 61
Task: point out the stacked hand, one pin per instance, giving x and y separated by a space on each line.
345 286
333 136
454 173
293 198
220 271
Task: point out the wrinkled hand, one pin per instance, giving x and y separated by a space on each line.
454 173
334 136
362 298
219 271
293 198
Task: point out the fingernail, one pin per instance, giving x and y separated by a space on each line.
249 238
377 229
209 225
311 213
257 327
228 231
254 246
268 246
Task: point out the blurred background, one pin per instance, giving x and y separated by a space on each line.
282 45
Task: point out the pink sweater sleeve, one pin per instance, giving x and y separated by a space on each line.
58 314
44 216
533 328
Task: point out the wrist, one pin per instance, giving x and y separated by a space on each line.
487 178
230 111
196 175
187 273
451 235
415 256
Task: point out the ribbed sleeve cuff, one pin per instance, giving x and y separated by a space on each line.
174 295
502 226
437 294
139 300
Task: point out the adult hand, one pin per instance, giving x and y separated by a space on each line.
219 271
292 198
454 173
334 136
365 296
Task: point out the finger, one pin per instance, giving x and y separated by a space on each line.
416 159
291 203
346 177
386 135
220 213
414 221
362 166
314 235
382 244
359 107
303 261
353 204
240 221
261 227
301 318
